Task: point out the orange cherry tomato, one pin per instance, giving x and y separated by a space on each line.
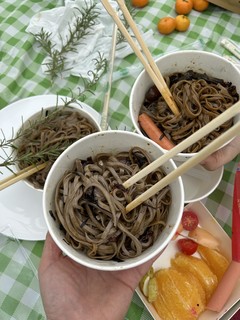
200 5
183 6
139 3
182 23
166 25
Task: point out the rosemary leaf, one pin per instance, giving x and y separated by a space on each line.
84 22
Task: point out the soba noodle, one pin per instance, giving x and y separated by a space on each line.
90 206
200 99
46 138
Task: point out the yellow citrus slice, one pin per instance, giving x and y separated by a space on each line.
180 296
199 269
216 261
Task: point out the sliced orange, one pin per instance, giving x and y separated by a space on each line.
180 296
199 269
216 261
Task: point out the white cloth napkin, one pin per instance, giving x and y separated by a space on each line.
57 22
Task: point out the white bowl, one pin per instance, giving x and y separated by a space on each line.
199 183
113 142
40 114
182 61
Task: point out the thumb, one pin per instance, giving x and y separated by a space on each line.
223 155
51 252
215 160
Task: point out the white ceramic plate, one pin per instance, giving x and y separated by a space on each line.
20 206
198 182
208 222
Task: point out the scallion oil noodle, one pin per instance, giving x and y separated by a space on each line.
200 98
47 137
90 206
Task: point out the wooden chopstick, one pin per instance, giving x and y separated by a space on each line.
165 90
104 116
200 156
22 174
157 78
218 121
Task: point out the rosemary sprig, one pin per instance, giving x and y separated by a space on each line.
100 66
11 159
4 145
50 153
46 153
85 19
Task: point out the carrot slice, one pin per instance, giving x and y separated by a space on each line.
153 132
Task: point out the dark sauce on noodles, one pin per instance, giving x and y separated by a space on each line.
48 136
199 97
90 206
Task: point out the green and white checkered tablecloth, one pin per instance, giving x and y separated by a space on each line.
21 76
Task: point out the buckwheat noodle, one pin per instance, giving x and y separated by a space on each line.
200 98
47 137
90 206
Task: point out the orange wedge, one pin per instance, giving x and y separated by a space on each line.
217 262
180 296
199 268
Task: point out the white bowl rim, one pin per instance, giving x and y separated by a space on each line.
129 263
73 105
164 56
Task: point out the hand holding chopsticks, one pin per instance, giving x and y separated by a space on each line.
149 65
200 156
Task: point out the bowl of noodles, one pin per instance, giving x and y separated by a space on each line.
203 85
84 201
43 136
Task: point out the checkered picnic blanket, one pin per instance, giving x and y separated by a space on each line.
21 76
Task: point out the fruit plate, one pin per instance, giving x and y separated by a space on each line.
208 222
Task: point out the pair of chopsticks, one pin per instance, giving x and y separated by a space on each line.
199 157
22 174
148 61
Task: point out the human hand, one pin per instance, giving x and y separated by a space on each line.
72 291
223 155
